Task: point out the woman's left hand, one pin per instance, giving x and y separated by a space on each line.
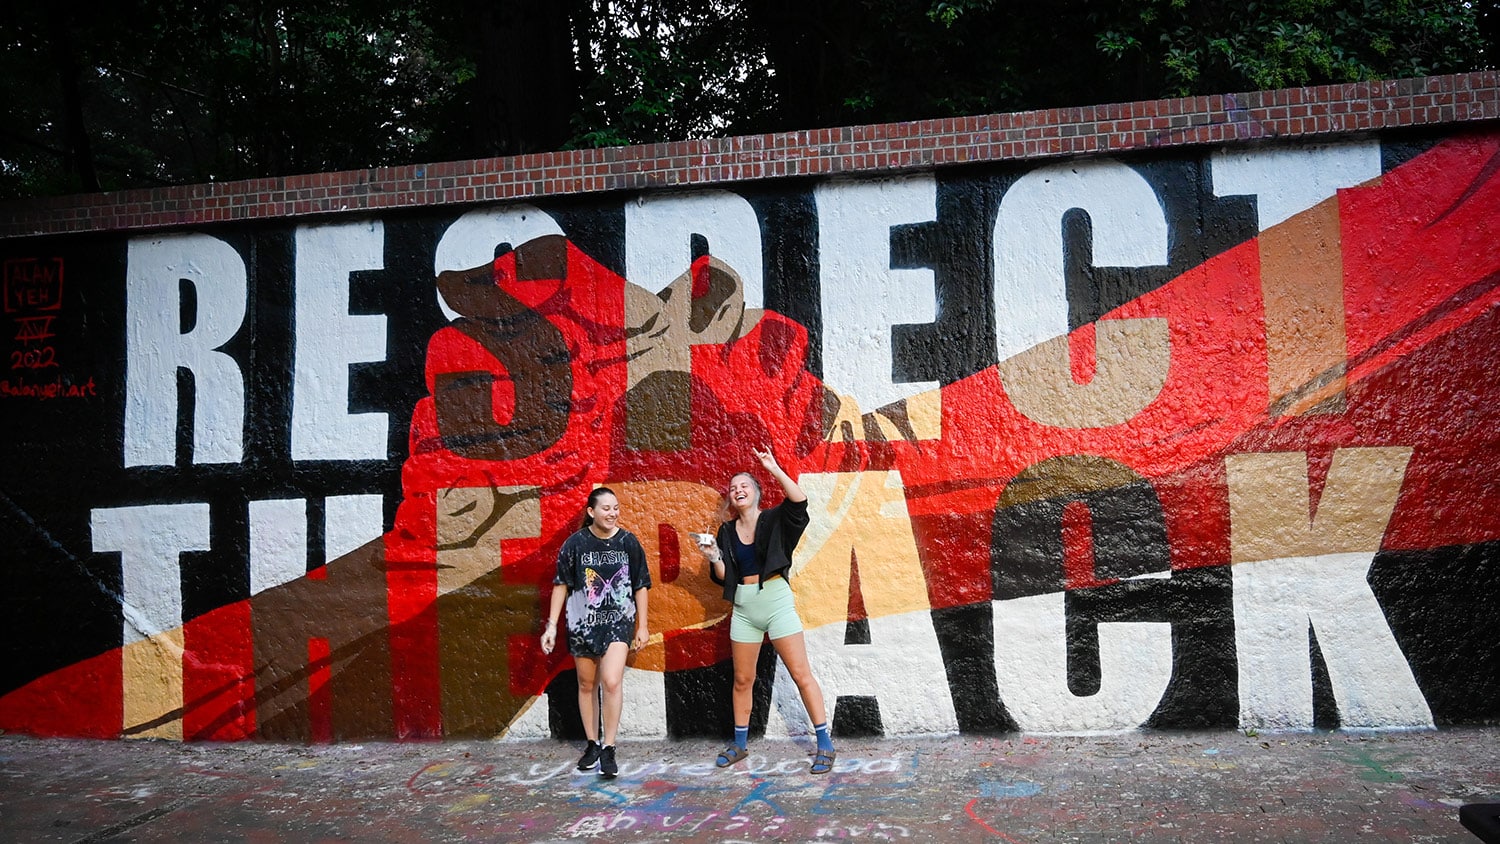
766 458
641 637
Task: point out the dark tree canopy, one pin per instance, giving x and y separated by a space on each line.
148 92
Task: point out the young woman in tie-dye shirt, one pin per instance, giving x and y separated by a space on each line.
602 578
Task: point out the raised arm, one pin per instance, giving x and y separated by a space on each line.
788 486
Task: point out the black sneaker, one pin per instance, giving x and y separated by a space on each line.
590 756
607 766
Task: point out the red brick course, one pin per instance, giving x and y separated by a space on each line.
1323 112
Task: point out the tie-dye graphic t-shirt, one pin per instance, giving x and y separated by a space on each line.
602 576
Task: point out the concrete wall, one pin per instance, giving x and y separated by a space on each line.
1189 435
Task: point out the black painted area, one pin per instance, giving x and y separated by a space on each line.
597 229
966 639
1403 145
857 716
1129 534
1325 705
699 702
564 718
959 248
59 603
1442 609
857 632
789 243
961 339
1204 690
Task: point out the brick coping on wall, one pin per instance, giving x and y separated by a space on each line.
1321 111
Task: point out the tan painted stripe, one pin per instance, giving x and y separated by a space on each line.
1270 509
152 686
1302 283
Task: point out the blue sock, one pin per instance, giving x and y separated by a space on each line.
825 741
741 736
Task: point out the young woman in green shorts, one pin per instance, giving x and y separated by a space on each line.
750 556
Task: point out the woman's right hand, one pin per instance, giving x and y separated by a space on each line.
707 546
549 638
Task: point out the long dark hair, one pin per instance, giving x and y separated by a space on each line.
594 500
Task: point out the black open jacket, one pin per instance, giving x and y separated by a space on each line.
776 534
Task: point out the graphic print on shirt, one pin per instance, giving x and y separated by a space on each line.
604 610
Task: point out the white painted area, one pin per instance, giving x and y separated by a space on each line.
902 668
1288 180
278 535
155 348
862 297
472 238
644 715
1129 230
329 339
1275 601
532 723
278 543
1031 667
645 711
658 238
149 539
350 521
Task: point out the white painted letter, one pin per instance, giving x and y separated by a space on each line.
1031 668
862 297
149 539
1293 573
155 348
1129 230
659 231
278 542
329 338
278 535
472 239
1287 181
863 514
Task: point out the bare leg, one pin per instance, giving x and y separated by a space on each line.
745 655
588 697
793 652
612 678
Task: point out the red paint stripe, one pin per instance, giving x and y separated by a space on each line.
669 547
1082 354
319 690
969 810
84 700
1078 546
218 675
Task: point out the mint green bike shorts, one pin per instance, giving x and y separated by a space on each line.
765 608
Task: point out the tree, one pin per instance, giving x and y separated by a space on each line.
1187 48
178 91
145 92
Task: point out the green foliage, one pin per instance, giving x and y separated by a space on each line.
1201 47
146 92
195 90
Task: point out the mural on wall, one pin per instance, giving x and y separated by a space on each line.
1170 441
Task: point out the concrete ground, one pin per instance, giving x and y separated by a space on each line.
1190 787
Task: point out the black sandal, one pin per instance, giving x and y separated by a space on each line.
823 762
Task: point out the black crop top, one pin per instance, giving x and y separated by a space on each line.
744 554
